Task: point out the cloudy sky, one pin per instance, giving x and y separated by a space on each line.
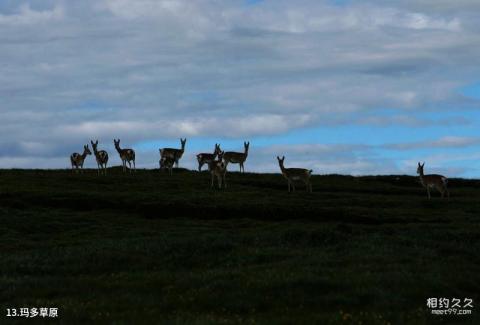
353 87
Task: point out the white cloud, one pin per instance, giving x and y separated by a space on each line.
27 16
444 142
145 69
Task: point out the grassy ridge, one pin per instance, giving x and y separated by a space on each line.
150 248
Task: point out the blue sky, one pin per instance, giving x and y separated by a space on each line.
352 87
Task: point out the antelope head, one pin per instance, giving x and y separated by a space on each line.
183 141
94 144
86 150
420 168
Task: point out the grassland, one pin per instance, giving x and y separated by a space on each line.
158 249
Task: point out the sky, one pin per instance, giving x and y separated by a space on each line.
345 86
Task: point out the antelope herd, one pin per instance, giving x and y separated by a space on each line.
218 161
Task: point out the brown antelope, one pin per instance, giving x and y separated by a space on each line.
101 157
295 174
126 155
207 158
433 181
218 168
174 153
237 157
77 159
166 162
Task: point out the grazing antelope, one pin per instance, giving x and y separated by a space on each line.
295 174
207 158
174 153
77 159
237 157
127 155
218 168
433 181
166 162
101 156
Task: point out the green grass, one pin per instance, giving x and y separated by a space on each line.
153 248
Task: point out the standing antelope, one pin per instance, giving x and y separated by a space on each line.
174 153
77 159
101 156
127 155
295 174
237 157
433 181
218 168
166 162
207 158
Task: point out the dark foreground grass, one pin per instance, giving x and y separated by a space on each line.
160 249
